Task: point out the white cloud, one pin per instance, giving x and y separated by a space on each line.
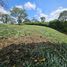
30 6
27 6
19 6
55 14
40 14
3 11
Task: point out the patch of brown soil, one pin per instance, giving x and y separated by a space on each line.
24 39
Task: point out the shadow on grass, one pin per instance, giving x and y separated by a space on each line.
34 55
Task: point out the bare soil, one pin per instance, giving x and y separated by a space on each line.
4 42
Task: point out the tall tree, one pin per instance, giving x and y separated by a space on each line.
27 20
63 16
19 13
42 19
5 18
34 20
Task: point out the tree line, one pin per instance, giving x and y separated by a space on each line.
18 16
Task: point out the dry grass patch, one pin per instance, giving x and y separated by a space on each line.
24 39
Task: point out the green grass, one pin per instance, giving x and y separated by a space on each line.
7 30
46 54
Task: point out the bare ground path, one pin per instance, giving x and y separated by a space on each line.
24 39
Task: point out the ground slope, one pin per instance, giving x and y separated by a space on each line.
30 46
31 30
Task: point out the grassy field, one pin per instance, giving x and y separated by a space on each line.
7 30
26 50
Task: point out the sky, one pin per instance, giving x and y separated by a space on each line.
50 9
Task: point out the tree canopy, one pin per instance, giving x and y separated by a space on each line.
42 19
63 16
19 14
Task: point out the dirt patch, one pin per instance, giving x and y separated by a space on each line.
24 39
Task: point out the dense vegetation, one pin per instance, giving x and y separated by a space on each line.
34 55
59 25
52 53
32 43
19 16
55 24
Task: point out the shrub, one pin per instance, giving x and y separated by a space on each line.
34 55
59 25
37 23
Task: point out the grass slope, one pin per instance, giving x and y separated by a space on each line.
7 30
41 54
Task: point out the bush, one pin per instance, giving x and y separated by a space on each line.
59 25
64 29
34 55
56 24
37 23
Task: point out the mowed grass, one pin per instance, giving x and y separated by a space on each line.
7 30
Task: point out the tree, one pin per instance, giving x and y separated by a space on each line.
5 18
19 14
63 16
34 20
56 24
12 20
42 19
27 20
3 13
2 5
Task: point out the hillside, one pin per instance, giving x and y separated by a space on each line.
16 31
32 46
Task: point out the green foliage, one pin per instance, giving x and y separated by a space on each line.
64 27
34 55
34 20
59 25
42 19
63 16
27 20
19 14
5 18
36 23
56 24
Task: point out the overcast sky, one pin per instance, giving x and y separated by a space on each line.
37 8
